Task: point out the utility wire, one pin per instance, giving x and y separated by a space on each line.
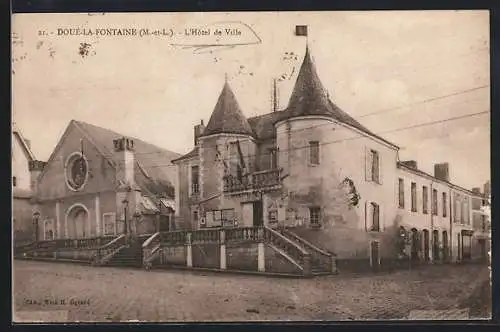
349 138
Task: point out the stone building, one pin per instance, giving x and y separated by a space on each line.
98 182
313 168
23 167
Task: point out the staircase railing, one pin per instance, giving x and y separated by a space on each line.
295 251
319 257
244 234
150 249
109 249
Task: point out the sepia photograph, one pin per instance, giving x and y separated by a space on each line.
251 166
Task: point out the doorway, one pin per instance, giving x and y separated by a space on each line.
258 219
426 245
445 246
435 245
77 222
164 223
375 255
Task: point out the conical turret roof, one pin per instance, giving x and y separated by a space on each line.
309 97
227 116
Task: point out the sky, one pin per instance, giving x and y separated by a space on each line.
389 70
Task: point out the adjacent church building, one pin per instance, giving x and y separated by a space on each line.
98 182
315 169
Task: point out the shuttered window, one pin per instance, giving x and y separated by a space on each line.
425 200
445 205
375 217
435 202
401 190
414 197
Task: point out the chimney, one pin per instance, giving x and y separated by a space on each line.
442 171
410 163
198 130
476 190
124 149
35 167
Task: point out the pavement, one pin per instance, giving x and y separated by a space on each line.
74 293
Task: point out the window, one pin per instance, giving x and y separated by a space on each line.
425 197
195 179
273 158
315 216
272 217
414 197
462 214
444 205
434 202
375 166
457 211
14 181
109 222
195 217
401 189
314 153
218 218
375 214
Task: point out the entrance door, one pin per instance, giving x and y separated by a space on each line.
247 215
435 245
415 244
164 223
426 245
258 218
466 247
80 223
375 255
445 246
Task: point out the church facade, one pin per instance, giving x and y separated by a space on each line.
99 183
314 169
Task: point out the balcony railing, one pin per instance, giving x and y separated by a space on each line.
256 180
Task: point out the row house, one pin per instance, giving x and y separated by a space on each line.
437 213
314 169
481 222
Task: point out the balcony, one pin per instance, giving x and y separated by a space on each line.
253 181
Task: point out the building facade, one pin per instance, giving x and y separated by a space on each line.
313 168
23 162
98 182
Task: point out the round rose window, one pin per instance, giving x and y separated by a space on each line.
76 171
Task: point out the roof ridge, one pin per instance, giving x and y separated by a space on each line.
121 134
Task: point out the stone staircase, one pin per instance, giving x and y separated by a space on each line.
322 262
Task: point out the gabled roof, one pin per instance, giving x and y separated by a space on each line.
24 144
190 154
153 161
227 116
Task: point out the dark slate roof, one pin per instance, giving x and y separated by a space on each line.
155 161
227 116
190 154
308 97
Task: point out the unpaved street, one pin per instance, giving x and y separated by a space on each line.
119 294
